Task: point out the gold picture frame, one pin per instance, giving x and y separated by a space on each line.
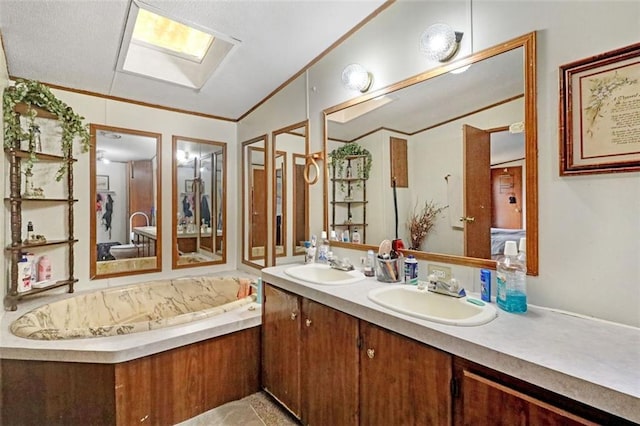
600 113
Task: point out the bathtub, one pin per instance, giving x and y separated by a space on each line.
136 308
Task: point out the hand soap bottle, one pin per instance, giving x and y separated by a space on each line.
511 278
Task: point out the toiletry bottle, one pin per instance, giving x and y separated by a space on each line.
24 275
44 269
334 237
323 249
485 285
411 270
511 280
369 264
31 260
345 236
355 237
311 251
30 233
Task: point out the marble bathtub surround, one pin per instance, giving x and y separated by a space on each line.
136 308
124 265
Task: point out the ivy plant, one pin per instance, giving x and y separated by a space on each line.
35 94
339 156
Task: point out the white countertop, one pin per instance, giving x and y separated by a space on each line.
591 361
114 349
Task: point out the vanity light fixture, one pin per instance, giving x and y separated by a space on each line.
356 77
440 42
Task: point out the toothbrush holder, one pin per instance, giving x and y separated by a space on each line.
390 270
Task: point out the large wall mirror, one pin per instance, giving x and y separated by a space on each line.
464 143
290 198
199 200
125 194
254 202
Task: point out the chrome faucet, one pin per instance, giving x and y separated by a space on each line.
451 288
345 265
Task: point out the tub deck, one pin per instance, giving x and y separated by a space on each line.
115 349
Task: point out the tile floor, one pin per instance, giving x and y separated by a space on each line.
258 409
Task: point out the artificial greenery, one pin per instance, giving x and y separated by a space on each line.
339 156
35 94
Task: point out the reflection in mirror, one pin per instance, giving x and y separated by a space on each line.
198 202
280 194
290 205
254 202
467 149
300 205
124 178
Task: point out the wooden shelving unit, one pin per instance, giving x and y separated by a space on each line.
18 203
352 206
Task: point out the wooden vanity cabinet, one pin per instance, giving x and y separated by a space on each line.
310 358
402 381
485 396
329 366
281 347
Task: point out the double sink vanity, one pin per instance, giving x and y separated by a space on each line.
339 348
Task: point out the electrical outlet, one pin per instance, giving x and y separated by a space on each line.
443 273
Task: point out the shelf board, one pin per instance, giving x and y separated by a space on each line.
349 202
21 247
347 179
348 224
56 200
39 155
40 290
23 109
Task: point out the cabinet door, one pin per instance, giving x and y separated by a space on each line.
484 401
402 382
329 366
281 347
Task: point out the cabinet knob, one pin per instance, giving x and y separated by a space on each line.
308 322
293 316
371 353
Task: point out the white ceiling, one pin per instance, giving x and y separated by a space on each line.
75 44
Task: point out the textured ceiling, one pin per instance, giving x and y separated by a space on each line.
75 44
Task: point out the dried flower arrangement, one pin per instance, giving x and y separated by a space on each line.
421 223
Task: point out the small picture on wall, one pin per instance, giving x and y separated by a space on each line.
102 183
189 185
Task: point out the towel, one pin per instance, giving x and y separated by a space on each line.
244 289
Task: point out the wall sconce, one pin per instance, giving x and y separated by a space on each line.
356 77
439 42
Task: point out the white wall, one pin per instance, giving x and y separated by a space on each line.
589 225
4 82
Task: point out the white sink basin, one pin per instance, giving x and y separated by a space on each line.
409 300
323 274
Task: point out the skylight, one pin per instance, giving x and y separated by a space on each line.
171 36
163 48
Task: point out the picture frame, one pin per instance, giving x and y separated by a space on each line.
188 185
102 183
600 113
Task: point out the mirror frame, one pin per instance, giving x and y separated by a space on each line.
274 153
174 200
93 255
528 43
246 233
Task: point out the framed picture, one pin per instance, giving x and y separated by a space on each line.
188 185
102 183
600 113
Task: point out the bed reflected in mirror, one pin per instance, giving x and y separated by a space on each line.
198 202
124 180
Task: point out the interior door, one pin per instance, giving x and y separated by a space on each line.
477 192
258 210
506 184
